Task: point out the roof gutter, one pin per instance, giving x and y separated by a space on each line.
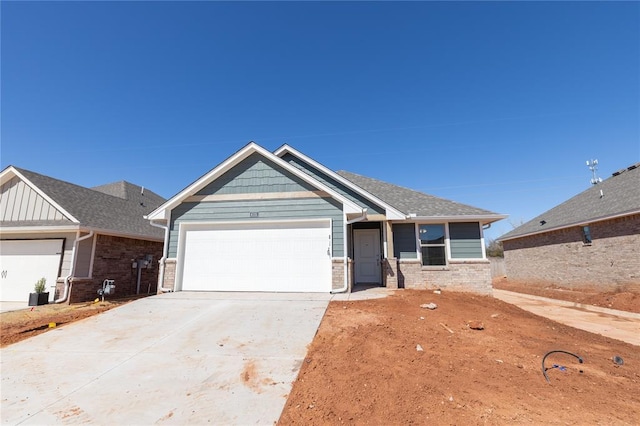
484 219
345 285
67 279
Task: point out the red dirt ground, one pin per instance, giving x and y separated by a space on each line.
22 324
363 367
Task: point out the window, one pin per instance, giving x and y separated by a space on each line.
586 235
432 244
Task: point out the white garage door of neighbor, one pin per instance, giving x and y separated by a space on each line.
284 257
23 262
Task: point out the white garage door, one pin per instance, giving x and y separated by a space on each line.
23 262
284 257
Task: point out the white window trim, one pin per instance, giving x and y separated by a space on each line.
447 245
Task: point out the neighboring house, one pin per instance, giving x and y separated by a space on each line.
592 239
263 221
75 237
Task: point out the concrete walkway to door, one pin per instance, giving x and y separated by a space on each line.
177 358
611 323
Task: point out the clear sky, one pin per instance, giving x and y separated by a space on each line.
493 104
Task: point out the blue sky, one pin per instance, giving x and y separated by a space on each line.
492 104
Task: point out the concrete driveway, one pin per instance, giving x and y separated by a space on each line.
178 358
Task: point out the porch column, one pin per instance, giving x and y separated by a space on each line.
390 263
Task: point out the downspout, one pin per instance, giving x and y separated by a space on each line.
67 282
346 263
160 285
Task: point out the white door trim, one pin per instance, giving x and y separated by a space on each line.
184 227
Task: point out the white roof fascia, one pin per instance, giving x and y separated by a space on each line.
570 225
391 212
8 230
161 212
488 218
11 169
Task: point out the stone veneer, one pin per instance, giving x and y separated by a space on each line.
466 276
611 262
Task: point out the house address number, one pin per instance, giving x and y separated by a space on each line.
254 214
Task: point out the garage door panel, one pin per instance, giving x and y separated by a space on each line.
23 262
258 257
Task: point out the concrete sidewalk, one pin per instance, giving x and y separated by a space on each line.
611 323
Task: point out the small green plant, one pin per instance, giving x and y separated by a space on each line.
40 285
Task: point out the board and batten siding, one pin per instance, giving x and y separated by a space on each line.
371 207
464 240
19 202
256 175
266 210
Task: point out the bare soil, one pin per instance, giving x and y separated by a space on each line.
19 325
365 366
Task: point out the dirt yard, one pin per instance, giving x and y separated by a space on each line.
22 324
389 361
365 365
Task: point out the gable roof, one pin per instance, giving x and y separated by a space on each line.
391 212
418 204
160 213
619 195
90 208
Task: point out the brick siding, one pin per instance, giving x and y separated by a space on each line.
611 262
112 260
169 279
470 277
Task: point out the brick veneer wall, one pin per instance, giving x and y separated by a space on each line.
470 276
169 279
610 262
112 260
337 274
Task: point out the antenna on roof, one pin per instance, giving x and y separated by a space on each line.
593 166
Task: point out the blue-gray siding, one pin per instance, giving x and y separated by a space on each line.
371 207
465 240
404 241
256 174
304 208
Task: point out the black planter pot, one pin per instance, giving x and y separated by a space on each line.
36 299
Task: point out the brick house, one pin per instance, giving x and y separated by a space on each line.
590 240
280 221
75 237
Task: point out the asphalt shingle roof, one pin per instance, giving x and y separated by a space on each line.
96 209
620 195
409 201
